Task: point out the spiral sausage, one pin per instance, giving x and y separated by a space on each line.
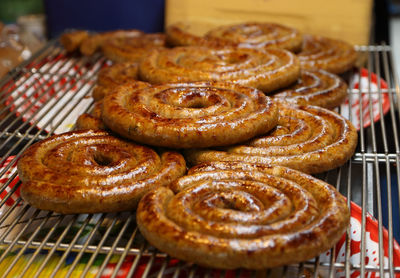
95 42
91 171
258 35
111 77
248 35
307 138
265 70
332 55
132 49
187 115
231 215
91 120
315 87
73 40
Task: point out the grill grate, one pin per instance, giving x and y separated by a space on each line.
45 95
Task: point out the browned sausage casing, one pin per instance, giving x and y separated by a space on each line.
132 49
266 70
91 171
307 138
248 35
332 55
315 87
187 115
238 215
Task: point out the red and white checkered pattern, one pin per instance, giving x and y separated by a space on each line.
54 95
8 175
367 85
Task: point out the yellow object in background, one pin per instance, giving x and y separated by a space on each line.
47 271
348 20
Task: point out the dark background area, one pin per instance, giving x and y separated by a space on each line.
148 16
104 15
380 22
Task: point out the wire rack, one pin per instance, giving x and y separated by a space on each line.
46 94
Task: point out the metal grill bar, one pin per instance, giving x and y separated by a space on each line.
363 193
388 173
53 250
376 164
123 256
348 182
102 240
35 255
118 238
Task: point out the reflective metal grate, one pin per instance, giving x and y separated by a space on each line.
45 95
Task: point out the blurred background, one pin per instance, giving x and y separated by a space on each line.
35 21
27 24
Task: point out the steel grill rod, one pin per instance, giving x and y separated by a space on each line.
163 267
136 261
40 248
66 86
369 48
30 106
8 212
348 238
333 250
27 76
390 217
85 245
23 242
34 137
11 192
31 128
10 246
376 164
362 159
193 272
54 249
300 269
388 174
316 266
387 164
78 247
116 241
364 183
66 114
123 256
355 267
15 222
179 268
100 244
23 249
67 252
370 137
14 73
349 180
149 264
380 157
